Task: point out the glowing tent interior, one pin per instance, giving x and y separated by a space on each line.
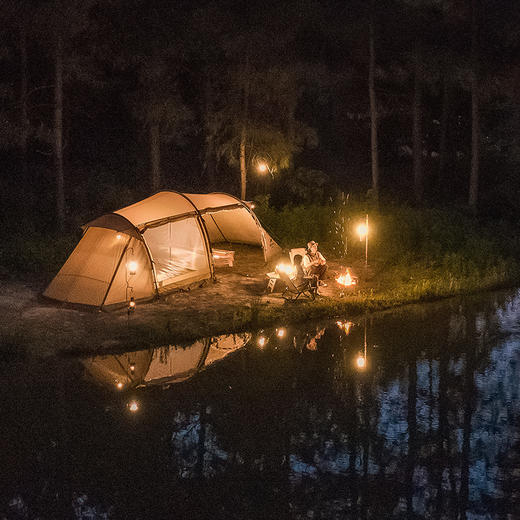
153 246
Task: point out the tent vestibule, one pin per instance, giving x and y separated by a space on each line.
153 246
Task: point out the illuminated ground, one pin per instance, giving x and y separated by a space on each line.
28 323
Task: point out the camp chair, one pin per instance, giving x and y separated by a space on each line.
292 291
297 251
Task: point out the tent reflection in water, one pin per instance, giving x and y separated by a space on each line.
163 365
154 246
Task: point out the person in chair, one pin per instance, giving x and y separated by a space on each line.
314 263
301 278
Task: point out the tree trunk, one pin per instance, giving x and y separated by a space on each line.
443 138
209 133
24 126
243 169
417 130
243 132
58 133
292 105
155 154
475 124
374 147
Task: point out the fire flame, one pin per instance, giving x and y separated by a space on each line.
346 279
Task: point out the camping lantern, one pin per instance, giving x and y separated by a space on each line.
289 270
131 307
362 231
132 267
133 406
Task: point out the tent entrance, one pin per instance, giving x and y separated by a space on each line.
178 252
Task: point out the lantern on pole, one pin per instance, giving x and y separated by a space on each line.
362 231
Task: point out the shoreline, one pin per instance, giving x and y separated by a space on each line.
237 303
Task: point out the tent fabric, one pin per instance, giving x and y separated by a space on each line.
154 246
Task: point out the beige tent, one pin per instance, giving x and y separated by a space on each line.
154 246
163 365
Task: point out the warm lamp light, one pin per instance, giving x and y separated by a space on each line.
280 333
262 167
131 307
119 385
261 341
132 267
289 270
361 361
362 231
118 236
133 406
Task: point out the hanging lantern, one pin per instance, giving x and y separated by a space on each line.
132 267
133 406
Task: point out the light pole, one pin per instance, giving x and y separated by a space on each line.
362 230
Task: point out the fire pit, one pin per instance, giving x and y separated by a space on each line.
346 280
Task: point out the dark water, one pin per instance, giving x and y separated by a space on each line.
409 414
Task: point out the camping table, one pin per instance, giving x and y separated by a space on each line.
272 280
222 258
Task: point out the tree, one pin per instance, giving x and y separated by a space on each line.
374 146
65 20
158 106
475 108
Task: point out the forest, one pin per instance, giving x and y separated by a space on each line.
397 102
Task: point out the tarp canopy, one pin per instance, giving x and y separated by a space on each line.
154 246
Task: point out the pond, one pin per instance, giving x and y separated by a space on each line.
413 413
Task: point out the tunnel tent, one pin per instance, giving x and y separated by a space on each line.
154 246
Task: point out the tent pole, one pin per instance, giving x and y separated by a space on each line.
125 249
209 251
152 264
215 222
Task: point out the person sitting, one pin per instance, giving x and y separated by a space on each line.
314 263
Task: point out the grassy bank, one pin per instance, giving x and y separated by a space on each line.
414 255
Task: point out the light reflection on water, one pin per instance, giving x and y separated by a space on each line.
291 424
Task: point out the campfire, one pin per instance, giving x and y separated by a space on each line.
346 280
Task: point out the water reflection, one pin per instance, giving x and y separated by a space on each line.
163 365
290 426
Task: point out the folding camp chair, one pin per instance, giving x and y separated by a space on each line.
292 291
296 251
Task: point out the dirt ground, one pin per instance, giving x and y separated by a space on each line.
30 324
